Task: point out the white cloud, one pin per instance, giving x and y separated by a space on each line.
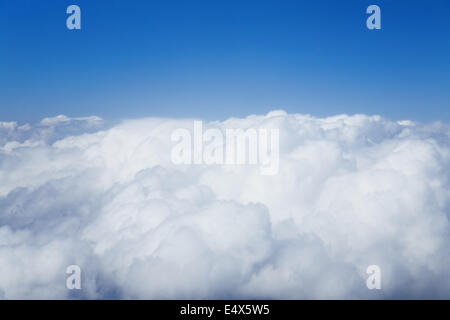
351 191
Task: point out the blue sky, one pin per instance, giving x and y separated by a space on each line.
217 59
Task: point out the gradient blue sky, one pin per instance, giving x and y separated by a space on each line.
215 59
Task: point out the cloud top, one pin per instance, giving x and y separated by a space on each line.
351 191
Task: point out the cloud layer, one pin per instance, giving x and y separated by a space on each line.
351 191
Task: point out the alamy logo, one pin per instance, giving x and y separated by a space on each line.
74 20
236 147
74 280
374 280
374 20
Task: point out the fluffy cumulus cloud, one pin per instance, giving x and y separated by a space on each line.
351 191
